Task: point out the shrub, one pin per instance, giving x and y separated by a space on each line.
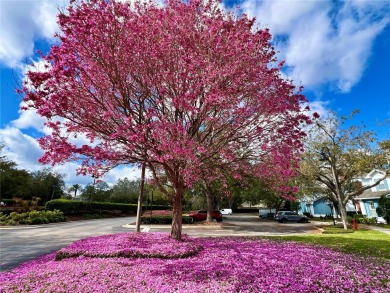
39 220
383 208
25 222
361 219
10 222
33 217
55 216
3 217
8 202
18 216
69 207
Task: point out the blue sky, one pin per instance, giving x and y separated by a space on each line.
338 50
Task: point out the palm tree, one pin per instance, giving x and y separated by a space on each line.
74 188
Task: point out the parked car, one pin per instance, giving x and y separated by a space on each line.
267 216
226 211
285 216
201 215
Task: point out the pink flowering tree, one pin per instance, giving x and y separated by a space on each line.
179 88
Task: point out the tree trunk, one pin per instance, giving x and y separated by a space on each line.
177 208
342 210
140 196
209 202
343 213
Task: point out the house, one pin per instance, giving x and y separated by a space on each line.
367 202
321 207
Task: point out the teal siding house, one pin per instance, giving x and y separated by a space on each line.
368 201
321 207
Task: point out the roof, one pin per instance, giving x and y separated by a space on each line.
368 194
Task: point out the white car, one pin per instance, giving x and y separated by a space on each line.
226 211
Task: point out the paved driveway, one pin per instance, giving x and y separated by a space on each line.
241 225
23 243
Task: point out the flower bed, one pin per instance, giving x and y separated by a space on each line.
224 265
143 245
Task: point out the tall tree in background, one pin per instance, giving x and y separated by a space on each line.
181 88
74 188
336 156
47 185
13 182
125 191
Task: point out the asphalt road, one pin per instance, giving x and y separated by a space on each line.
23 243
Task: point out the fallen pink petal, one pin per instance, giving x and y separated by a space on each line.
159 264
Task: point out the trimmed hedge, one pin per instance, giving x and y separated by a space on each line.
163 220
361 219
8 202
72 207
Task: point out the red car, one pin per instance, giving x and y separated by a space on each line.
201 215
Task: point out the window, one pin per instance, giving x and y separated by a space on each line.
381 186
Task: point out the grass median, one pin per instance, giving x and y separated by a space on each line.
362 242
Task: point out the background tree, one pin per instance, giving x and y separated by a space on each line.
47 185
125 191
74 188
98 192
14 182
182 88
337 155
383 208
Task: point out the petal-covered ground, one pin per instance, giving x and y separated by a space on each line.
223 265
144 245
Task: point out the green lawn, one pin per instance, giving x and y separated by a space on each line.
362 242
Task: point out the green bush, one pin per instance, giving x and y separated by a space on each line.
361 219
36 214
25 222
39 220
163 220
18 216
32 218
8 202
3 217
69 207
10 222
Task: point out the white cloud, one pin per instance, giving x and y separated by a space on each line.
21 148
24 150
129 171
28 119
323 42
21 23
321 107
